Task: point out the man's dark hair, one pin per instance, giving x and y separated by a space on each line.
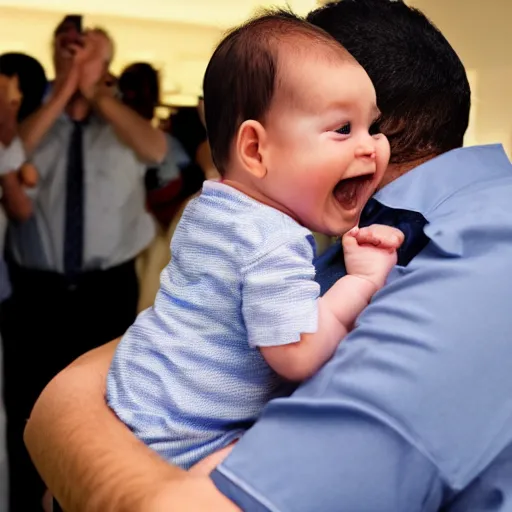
422 87
242 75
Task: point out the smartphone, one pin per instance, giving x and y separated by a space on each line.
75 20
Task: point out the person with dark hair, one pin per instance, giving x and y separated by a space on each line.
31 79
297 164
413 411
140 89
26 81
424 96
22 85
72 261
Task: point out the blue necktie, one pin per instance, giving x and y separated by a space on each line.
74 212
330 266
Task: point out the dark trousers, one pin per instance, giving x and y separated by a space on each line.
47 323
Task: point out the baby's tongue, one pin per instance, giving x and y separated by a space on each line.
347 192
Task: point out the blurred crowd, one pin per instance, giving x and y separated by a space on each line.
92 186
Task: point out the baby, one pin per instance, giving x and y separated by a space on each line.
291 122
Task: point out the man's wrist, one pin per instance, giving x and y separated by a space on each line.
64 88
96 97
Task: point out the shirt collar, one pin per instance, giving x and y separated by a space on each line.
429 184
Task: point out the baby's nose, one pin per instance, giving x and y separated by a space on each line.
365 150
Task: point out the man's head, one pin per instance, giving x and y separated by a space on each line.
422 88
279 122
67 37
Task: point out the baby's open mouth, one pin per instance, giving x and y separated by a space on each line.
349 191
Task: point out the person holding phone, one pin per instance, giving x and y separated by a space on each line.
72 263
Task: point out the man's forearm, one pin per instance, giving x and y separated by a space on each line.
36 126
148 143
91 462
76 453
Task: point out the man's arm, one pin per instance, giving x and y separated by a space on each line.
148 143
35 127
91 462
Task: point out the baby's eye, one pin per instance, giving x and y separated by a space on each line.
344 130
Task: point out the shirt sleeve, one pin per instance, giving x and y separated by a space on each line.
350 462
409 412
12 157
279 294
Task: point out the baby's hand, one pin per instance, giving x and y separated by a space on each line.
370 253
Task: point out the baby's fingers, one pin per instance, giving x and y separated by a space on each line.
384 237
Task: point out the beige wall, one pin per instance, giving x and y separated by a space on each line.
480 32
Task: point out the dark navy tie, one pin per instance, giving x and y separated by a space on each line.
330 266
74 212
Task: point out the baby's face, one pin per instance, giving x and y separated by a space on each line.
325 155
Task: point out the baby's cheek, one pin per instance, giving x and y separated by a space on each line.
383 151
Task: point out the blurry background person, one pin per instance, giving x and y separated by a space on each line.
22 85
139 88
72 263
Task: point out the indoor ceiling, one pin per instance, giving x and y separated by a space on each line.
219 13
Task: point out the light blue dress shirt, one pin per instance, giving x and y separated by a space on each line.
117 225
188 377
414 411
12 157
177 159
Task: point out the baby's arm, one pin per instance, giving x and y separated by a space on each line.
370 254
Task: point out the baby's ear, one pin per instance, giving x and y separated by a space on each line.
250 141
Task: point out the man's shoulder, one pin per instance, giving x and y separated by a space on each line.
475 224
432 351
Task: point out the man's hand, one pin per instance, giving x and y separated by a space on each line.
93 59
370 253
28 175
66 82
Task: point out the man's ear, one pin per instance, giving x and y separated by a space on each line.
250 142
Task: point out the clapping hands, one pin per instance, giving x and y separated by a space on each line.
87 65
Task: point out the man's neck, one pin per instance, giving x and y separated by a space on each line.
395 171
78 108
